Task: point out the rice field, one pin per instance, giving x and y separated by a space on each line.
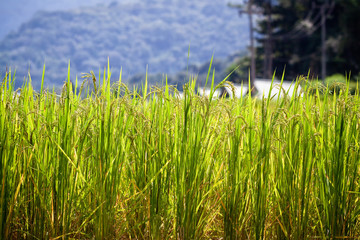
101 161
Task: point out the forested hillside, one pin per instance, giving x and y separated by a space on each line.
133 35
14 13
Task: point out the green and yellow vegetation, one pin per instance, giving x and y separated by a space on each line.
114 163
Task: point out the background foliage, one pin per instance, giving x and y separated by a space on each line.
296 36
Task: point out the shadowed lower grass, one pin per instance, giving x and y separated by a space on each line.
111 163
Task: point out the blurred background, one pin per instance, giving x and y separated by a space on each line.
304 37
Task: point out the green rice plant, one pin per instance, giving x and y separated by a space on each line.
236 189
7 151
193 163
293 171
101 161
339 166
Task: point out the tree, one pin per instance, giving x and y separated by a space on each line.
349 45
249 9
266 52
293 23
320 36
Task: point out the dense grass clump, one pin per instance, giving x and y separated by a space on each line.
111 163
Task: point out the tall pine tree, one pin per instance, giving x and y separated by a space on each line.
290 36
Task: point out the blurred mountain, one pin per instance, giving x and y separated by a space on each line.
133 35
198 71
14 13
